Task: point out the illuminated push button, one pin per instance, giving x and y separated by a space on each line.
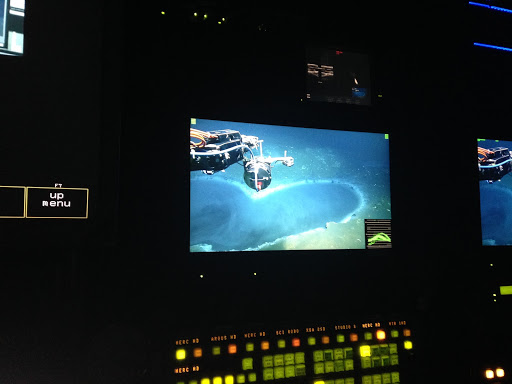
300 370
281 343
319 368
376 379
340 338
366 362
240 379
192 382
232 349
217 380
500 372
353 337
295 342
376 361
251 377
349 353
407 344
489 374
385 361
216 351
339 366
279 373
395 377
393 348
268 374
368 335
205 381
380 334
289 359
328 355
364 350
339 381
367 379
386 378
289 371
329 366
325 339
318 382
393 359
384 349
249 347
268 361
349 365
318 356
311 340
329 381
375 350
247 364
265 345
278 360
181 354
338 354
229 379
198 352
407 332
299 358
350 380
394 333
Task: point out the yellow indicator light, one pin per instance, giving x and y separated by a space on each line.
311 341
232 348
408 344
407 332
163 12
249 347
489 373
506 290
353 337
325 339
240 379
217 380
229 379
265 345
205 381
198 352
500 372
365 351
319 382
381 335
195 15
181 354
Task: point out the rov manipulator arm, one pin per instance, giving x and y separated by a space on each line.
494 163
215 151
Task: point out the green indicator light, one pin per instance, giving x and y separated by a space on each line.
375 350
339 366
386 136
340 338
299 358
216 351
349 353
367 379
289 371
394 359
377 379
249 347
289 359
328 355
338 354
480 139
300 370
394 333
240 379
384 349
395 377
192 382
268 374
329 381
278 360
268 361
367 335
349 380
506 290
376 361
247 364
311 341
385 361
393 349
349 365
319 368
281 343
329 366
339 381
252 377
386 378
279 373
318 356
366 362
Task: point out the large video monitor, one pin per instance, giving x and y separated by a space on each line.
12 15
494 167
256 187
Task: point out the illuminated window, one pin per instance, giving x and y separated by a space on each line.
249 347
500 372
181 354
340 338
408 344
232 348
296 342
353 337
265 345
489 373
198 352
325 339
407 332
281 343
217 380
365 351
381 335
311 340
229 379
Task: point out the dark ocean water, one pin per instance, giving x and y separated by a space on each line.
336 174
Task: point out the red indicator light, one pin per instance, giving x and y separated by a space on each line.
339 52
296 342
232 348
353 337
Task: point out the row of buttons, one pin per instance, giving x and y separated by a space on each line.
384 378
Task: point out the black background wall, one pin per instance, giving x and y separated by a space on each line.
102 97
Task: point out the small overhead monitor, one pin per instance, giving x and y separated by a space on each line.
495 178
256 187
338 76
12 16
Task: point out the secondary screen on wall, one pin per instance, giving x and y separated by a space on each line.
12 15
494 167
260 187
